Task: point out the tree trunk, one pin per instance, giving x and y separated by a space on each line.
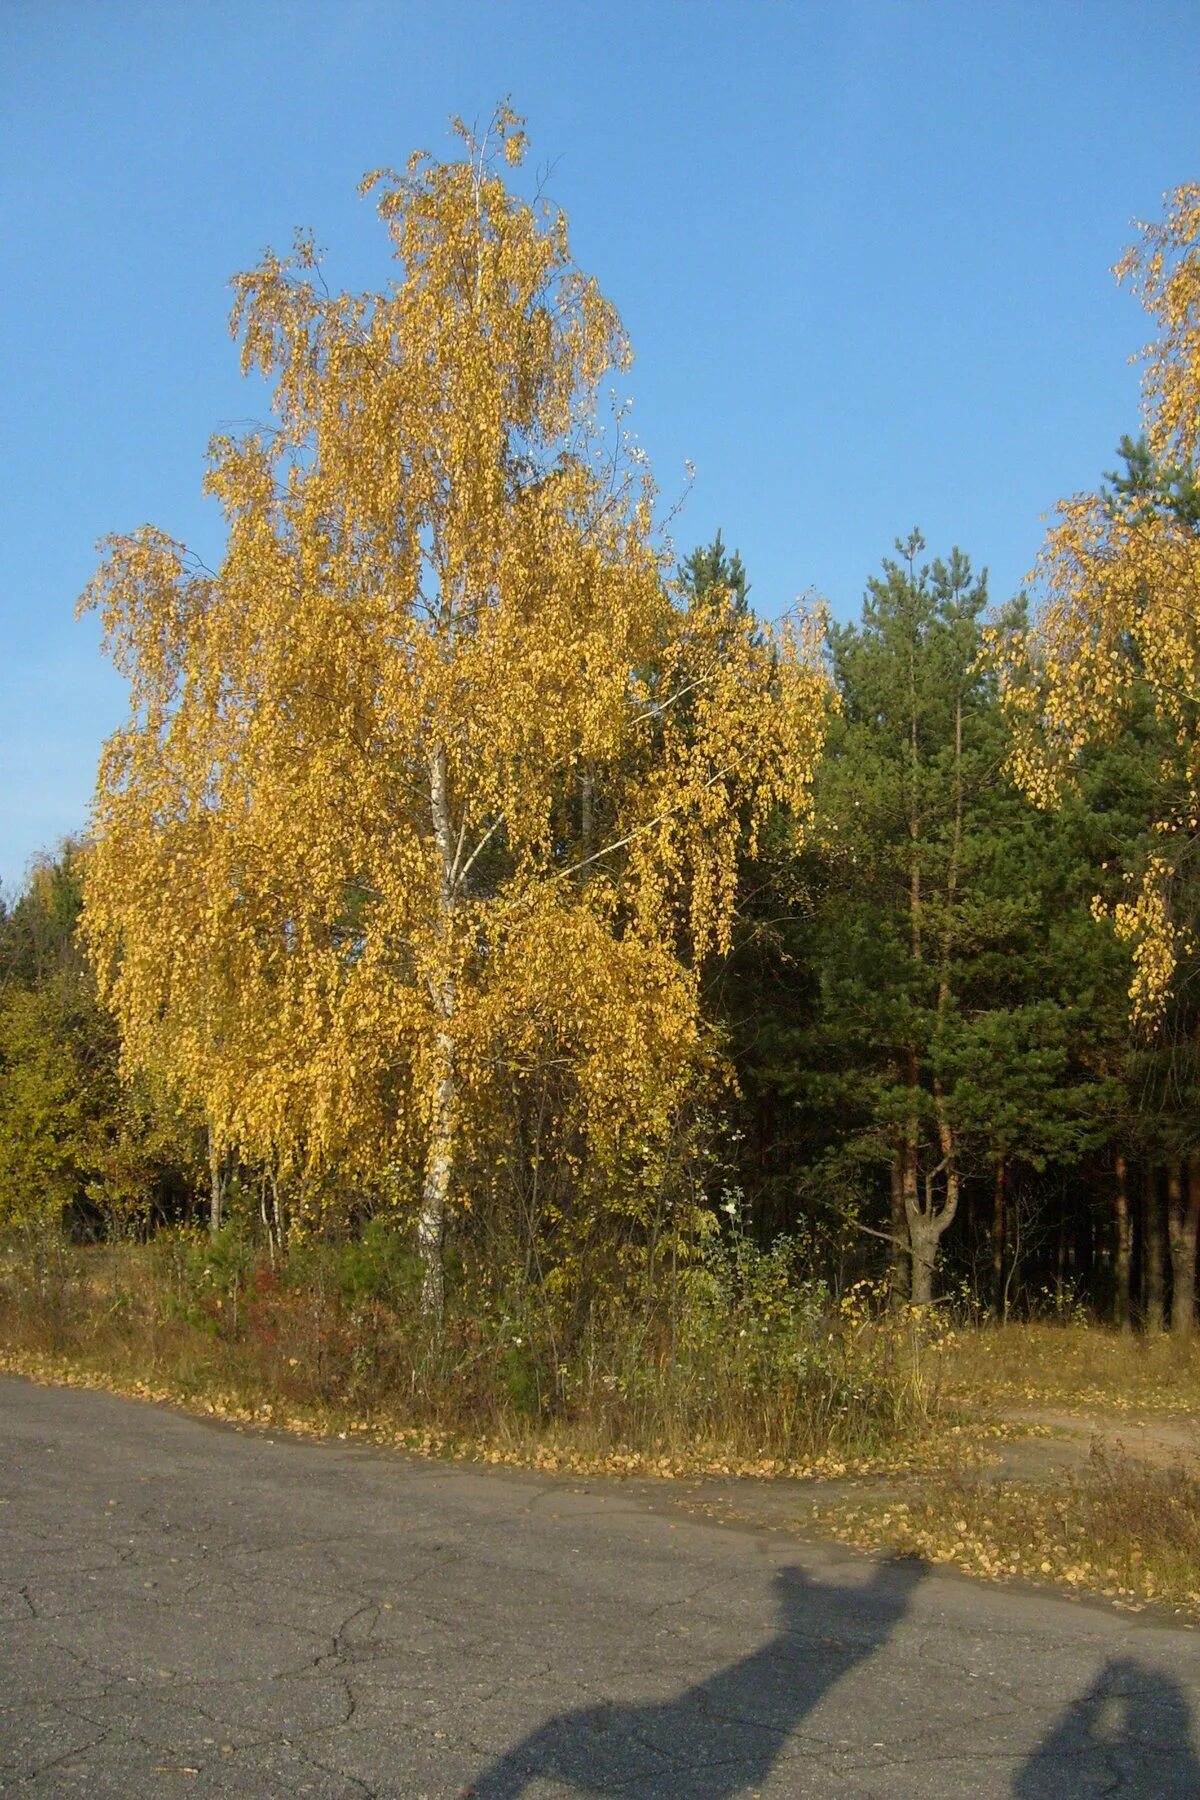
921 1254
924 1258
920 1284
270 1211
435 1187
1153 1240
926 1223
1124 1234
898 1255
998 1239
1183 1217
587 786
216 1184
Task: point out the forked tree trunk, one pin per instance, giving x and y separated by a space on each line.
1183 1219
1124 1235
920 1250
1153 1239
924 1260
926 1221
925 1231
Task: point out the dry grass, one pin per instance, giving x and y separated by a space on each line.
1116 1528
1078 1366
1125 1525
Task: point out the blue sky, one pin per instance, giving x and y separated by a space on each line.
862 251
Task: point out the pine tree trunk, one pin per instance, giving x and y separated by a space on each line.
910 1197
1153 1239
898 1255
924 1258
920 1285
926 1224
1124 1234
1183 1217
998 1198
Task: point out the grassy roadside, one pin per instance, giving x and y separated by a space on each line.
748 1375
966 1446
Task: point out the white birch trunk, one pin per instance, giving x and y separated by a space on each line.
439 1158
216 1184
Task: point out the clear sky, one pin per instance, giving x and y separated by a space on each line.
861 248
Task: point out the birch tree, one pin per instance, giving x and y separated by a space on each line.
406 772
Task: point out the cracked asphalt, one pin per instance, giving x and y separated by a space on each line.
190 1610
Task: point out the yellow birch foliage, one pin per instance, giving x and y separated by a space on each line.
340 869
1119 576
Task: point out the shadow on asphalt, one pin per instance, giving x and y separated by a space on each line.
1129 1734
723 1735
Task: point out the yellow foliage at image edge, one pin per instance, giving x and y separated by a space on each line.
1120 583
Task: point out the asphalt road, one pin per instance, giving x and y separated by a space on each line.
188 1610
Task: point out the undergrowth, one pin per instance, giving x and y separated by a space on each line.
740 1365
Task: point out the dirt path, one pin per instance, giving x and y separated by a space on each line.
1065 1437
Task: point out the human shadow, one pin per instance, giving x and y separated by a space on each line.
724 1734
1129 1734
